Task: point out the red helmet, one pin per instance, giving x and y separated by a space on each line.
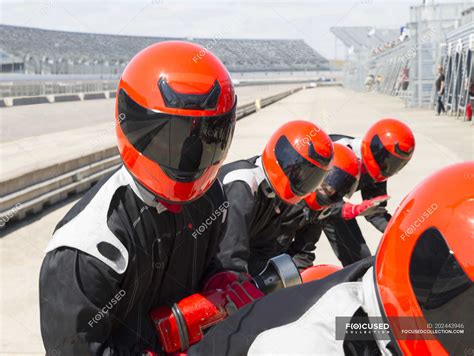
175 119
425 263
386 148
342 179
296 159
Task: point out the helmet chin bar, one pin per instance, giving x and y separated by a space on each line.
142 192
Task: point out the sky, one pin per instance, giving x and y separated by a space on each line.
309 20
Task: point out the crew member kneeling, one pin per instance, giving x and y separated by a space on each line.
127 246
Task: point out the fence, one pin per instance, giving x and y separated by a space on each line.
39 87
407 68
459 68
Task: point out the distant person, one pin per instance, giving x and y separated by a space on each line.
470 98
405 79
378 81
440 91
369 82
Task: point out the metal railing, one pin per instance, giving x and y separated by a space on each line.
37 88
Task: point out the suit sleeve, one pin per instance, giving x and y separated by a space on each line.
381 219
234 249
80 304
236 334
303 246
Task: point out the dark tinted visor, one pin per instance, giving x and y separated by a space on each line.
341 182
184 146
389 164
303 175
443 290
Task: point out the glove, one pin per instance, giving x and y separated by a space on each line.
240 291
367 207
182 325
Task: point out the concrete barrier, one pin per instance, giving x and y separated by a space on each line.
244 110
94 96
41 175
5 102
329 84
66 97
30 100
32 192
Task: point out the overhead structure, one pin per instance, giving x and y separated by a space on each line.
363 37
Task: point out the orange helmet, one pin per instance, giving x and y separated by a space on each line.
314 273
386 148
342 179
296 159
175 118
425 266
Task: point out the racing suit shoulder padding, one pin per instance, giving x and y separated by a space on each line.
88 230
252 176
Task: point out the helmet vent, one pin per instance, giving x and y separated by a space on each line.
177 100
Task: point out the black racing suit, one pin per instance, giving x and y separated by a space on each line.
345 236
260 225
301 320
114 257
300 242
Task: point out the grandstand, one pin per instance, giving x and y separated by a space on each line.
364 38
58 52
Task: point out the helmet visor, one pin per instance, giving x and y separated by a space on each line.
183 146
442 288
343 183
303 175
389 163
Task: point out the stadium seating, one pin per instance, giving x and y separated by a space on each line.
59 52
363 37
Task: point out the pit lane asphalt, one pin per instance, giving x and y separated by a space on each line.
440 141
